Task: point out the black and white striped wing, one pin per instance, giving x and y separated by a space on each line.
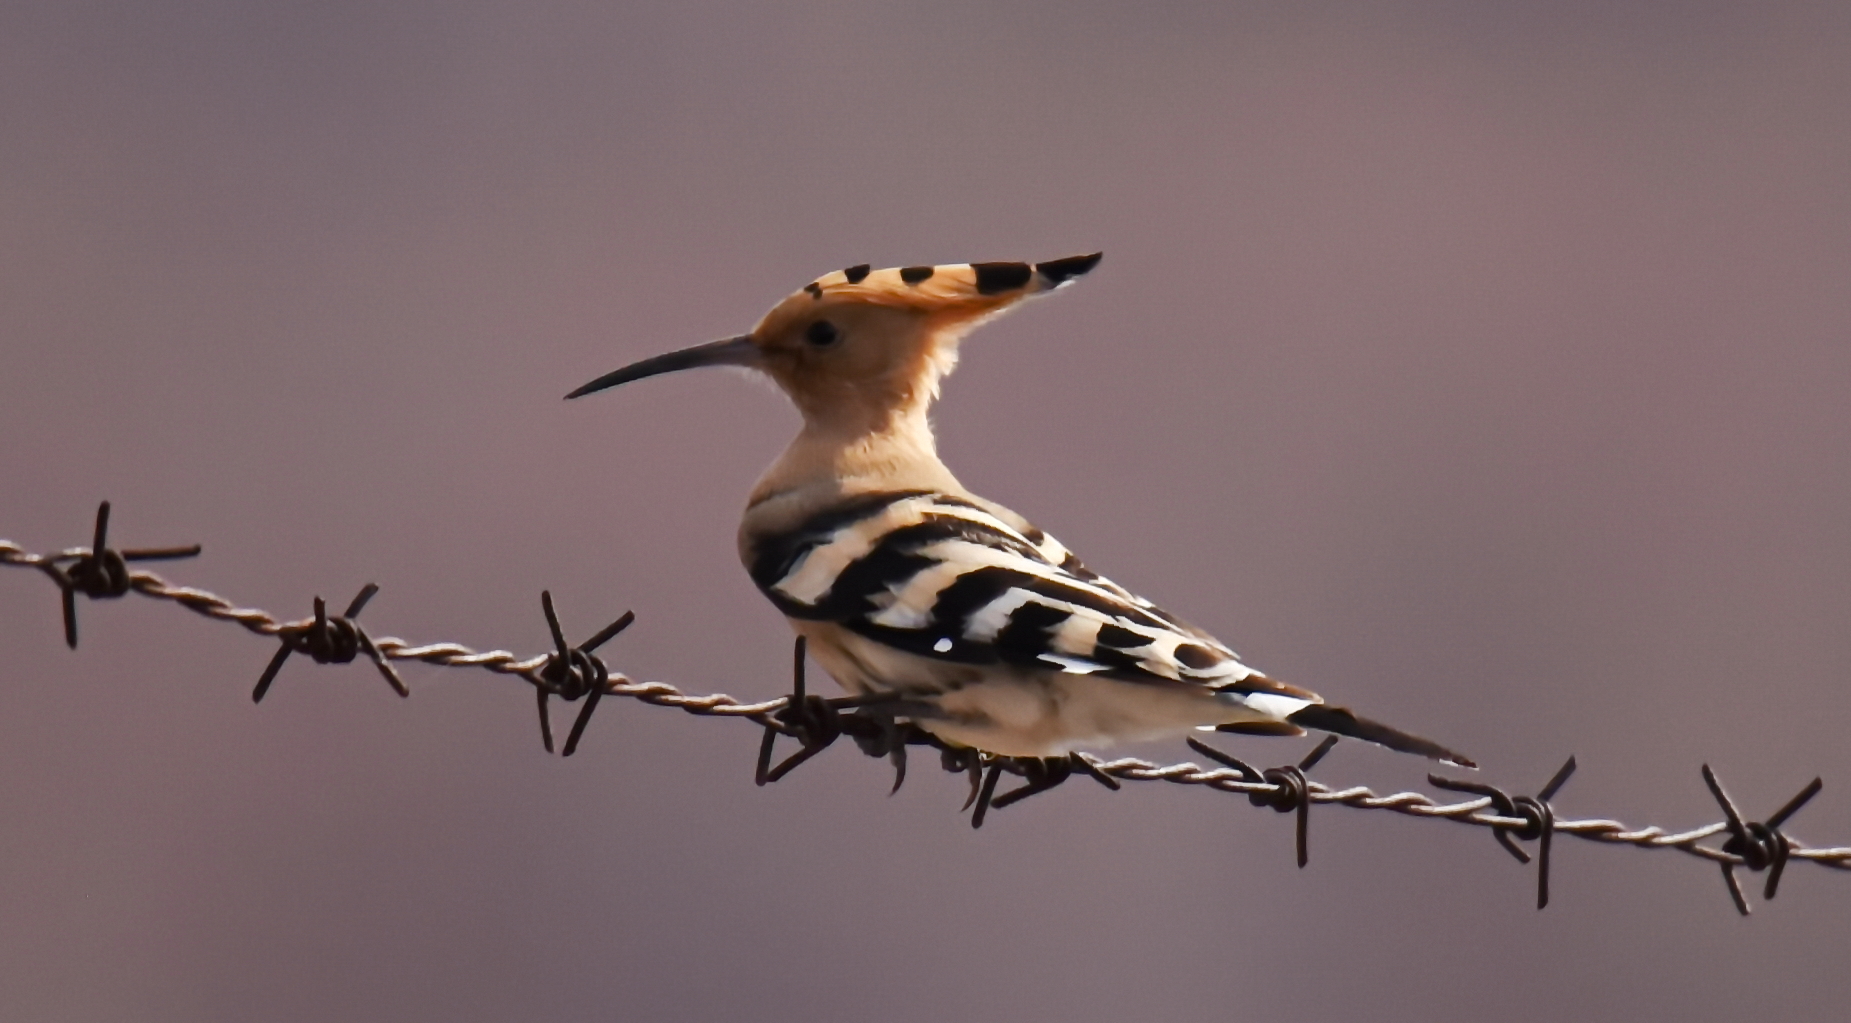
947 578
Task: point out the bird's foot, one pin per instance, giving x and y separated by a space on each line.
815 722
1039 773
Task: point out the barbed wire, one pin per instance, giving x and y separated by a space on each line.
880 727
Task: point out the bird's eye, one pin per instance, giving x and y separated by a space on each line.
822 334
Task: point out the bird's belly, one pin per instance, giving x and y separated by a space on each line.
1052 713
1016 711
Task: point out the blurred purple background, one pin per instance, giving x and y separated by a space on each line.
1483 365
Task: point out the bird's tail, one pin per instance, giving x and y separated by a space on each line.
1341 721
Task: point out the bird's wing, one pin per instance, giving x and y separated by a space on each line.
952 579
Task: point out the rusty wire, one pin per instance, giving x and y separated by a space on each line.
878 726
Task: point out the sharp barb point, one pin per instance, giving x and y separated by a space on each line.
358 604
1736 827
794 761
765 747
162 553
1246 770
546 722
1566 772
552 624
101 538
269 675
1304 829
609 632
1779 867
1793 805
379 660
1312 758
1542 867
70 617
1510 845
1499 799
578 725
1735 889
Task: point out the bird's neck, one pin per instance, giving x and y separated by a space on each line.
831 460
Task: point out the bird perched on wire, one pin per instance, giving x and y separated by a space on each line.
904 582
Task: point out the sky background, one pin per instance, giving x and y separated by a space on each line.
1482 365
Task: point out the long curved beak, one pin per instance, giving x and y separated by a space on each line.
734 351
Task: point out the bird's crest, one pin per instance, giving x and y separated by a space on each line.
953 295
978 285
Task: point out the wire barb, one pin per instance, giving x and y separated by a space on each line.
1284 789
572 673
810 719
336 640
1757 845
1535 820
99 572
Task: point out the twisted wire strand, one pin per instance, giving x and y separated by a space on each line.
1476 812
443 655
1471 811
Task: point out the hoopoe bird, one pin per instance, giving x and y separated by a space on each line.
905 583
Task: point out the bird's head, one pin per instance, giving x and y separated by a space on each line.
856 347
